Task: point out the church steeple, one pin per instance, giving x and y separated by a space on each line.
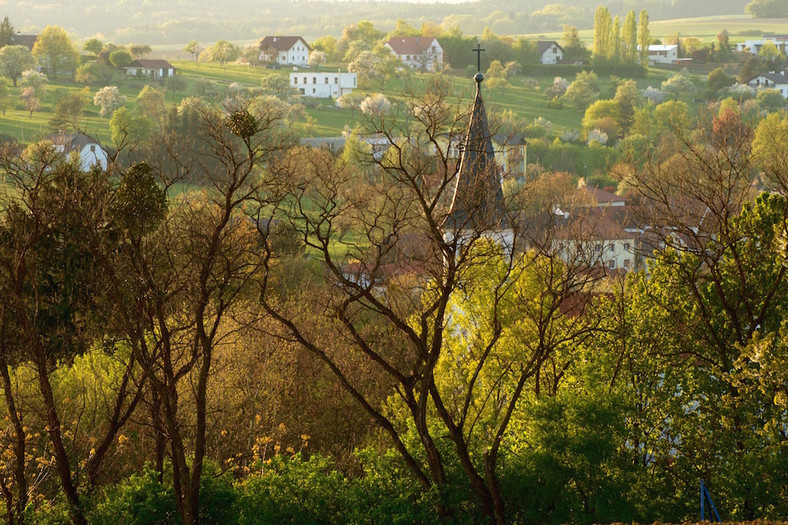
478 197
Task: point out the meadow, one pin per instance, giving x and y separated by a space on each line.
324 118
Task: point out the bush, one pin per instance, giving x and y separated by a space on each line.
292 490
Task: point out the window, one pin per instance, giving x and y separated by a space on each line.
295 80
611 247
314 80
611 264
305 80
626 264
313 90
627 246
336 80
326 80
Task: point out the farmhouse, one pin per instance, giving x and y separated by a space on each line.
778 81
90 152
151 68
285 50
663 54
323 85
549 52
421 52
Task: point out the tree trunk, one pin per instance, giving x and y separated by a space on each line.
56 437
15 510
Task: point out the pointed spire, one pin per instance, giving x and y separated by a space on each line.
478 197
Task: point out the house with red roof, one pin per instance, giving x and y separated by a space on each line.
285 50
421 52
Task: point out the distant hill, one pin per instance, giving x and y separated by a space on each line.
178 21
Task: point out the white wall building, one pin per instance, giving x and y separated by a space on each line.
663 54
323 85
754 46
778 81
419 52
549 52
286 50
90 152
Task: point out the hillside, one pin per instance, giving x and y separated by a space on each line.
178 22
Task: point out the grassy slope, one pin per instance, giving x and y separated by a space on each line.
740 27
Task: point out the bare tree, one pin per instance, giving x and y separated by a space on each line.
399 249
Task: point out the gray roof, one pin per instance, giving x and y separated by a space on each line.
73 141
544 45
478 198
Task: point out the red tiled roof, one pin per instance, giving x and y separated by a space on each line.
410 45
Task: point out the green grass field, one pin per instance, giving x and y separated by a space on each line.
324 120
739 27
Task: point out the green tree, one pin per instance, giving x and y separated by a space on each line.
150 104
328 45
767 9
574 50
717 80
93 46
723 51
55 51
193 48
615 38
582 92
127 130
7 33
603 31
120 58
628 98
750 68
139 51
5 96
14 60
644 38
68 110
770 99
629 39
87 73
224 52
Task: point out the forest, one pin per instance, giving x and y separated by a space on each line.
312 338
225 325
177 22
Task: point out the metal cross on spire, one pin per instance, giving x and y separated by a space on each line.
478 50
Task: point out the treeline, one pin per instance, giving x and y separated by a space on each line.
172 24
238 329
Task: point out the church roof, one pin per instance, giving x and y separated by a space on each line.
478 198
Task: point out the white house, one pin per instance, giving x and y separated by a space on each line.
549 52
323 85
663 54
599 236
152 68
90 152
286 50
754 46
421 52
778 81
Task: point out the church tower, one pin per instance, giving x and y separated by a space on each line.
478 202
